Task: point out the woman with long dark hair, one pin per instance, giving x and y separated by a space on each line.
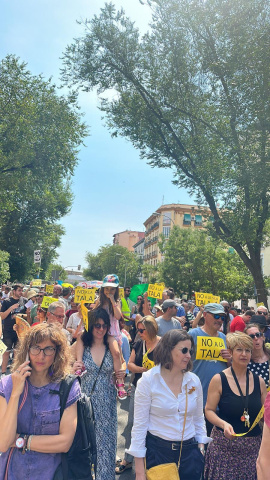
109 301
97 383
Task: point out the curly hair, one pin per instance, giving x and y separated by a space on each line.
162 352
38 334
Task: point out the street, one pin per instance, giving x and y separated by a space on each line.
122 412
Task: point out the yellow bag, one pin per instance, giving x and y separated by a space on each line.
166 471
146 362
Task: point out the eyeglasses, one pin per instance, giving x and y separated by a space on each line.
262 313
59 317
100 326
40 296
141 330
48 351
185 350
255 335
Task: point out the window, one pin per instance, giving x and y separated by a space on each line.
166 231
187 219
198 220
167 218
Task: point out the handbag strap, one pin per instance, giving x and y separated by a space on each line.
184 425
98 372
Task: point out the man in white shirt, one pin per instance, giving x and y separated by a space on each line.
167 322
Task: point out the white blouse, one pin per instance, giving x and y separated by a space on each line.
158 411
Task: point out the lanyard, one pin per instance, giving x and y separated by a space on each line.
245 401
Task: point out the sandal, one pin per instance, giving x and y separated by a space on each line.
121 467
121 394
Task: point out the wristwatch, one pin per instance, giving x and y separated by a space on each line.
20 442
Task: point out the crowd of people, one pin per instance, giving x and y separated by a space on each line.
195 377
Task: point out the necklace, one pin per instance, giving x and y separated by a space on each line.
245 416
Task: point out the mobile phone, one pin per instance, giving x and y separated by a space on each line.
27 357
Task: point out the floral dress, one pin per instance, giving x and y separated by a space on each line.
105 411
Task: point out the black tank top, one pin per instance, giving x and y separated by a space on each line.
231 406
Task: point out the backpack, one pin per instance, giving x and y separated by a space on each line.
79 463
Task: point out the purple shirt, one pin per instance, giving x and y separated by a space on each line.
40 415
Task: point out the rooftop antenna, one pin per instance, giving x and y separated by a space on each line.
162 200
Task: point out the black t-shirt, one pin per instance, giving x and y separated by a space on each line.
138 347
10 320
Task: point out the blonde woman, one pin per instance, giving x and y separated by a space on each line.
32 435
239 395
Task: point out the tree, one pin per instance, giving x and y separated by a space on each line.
193 261
4 266
113 259
192 95
54 272
40 134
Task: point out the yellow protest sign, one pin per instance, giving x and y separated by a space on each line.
260 304
155 290
49 289
121 292
47 301
86 295
84 316
3 347
204 298
208 348
37 282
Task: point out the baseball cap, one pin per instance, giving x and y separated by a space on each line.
111 281
214 308
169 303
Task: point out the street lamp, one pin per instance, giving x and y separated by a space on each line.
121 255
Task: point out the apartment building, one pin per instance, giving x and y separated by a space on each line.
127 239
162 221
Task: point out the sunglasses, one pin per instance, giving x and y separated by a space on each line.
100 326
262 313
141 330
255 335
185 350
217 316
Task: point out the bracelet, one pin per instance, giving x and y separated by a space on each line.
29 443
201 450
26 437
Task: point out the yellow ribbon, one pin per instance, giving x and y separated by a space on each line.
257 419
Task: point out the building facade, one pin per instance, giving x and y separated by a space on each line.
127 239
162 221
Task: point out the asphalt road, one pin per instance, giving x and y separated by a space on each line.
122 412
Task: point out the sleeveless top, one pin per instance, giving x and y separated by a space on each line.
231 406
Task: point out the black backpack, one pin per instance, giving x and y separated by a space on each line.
79 463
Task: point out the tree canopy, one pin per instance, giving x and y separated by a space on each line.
192 95
40 135
194 262
113 259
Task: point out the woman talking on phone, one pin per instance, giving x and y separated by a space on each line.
32 435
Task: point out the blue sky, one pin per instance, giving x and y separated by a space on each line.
114 189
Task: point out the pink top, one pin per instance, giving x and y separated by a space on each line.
115 329
267 410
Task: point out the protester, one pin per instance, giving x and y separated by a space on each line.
211 360
135 308
263 462
166 322
32 436
239 395
169 411
239 322
10 307
57 291
109 300
141 360
32 315
75 321
97 383
259 362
